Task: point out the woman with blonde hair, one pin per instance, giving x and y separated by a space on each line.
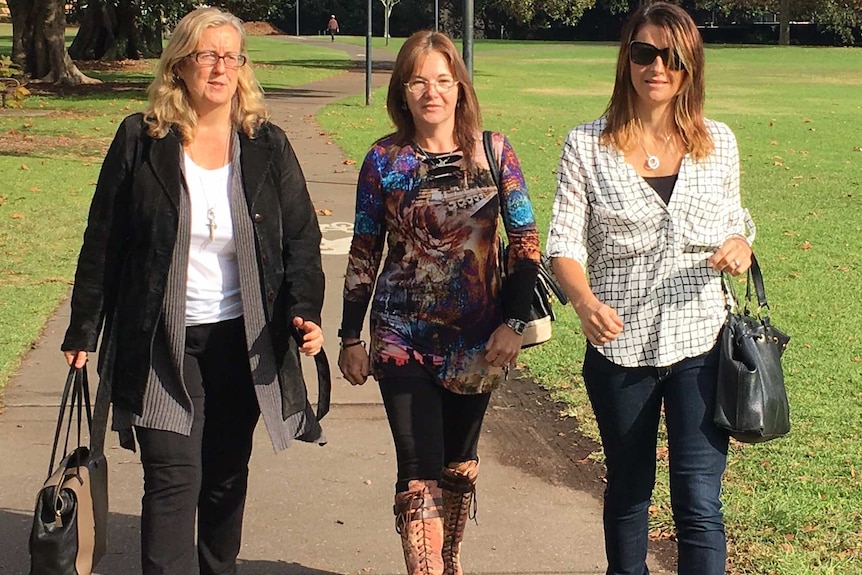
201 257
648 203
443 325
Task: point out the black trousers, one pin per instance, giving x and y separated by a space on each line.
431 426
206 473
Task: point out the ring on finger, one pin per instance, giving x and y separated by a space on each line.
735 263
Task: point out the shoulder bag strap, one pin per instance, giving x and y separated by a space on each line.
493 163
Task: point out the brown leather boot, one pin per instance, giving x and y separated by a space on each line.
418 520
459 505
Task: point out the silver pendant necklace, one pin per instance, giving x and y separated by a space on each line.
211 213
652 161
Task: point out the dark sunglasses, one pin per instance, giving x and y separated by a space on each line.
644 54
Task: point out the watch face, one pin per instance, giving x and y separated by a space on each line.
517 325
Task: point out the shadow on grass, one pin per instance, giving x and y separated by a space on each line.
376 66
123 554
105 91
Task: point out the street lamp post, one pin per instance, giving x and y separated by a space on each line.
297 18
468 36
436 15
368 59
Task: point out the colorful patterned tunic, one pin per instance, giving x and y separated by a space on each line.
439 296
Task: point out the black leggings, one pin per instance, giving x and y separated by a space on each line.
431 426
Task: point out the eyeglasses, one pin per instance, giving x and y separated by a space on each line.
420 86
231 60
644 54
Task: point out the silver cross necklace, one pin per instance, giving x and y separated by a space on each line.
211 213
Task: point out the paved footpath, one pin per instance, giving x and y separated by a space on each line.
314 510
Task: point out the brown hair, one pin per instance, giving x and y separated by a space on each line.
168 101
686 42
468 121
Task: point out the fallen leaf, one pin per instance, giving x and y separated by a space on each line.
17 216
806 245
35 189
323 212
349 162
25 167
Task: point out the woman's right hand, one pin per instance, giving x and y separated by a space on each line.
353 362
599 322
76 358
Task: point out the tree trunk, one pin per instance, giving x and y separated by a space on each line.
109 33
20 13
39 41
784 22
387 13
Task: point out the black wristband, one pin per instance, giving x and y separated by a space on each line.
343 345
343 332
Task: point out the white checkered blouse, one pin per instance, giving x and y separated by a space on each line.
646 259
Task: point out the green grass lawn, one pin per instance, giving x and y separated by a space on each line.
793 506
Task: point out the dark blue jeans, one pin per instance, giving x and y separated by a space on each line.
627 403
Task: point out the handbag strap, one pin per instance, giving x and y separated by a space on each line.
74 395
755 278
494 167
493 164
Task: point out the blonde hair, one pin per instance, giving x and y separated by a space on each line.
169 104
622 126
468 120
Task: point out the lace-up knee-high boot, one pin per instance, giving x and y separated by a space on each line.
419 522
459 505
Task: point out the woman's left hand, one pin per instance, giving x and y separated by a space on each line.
503 347
733 257
312 336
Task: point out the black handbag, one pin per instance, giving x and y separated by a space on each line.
69 524
539 329
751 400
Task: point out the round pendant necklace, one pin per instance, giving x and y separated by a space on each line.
652 161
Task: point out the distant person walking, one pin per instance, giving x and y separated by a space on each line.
332 27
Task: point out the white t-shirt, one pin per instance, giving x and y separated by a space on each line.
212 289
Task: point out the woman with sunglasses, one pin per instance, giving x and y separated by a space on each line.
202 258
648 203
443 328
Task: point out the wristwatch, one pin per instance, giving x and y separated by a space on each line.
516 325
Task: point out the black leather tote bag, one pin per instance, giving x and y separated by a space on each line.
751 399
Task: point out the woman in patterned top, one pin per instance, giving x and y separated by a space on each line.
444 328
648 201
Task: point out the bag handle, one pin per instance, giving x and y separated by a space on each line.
754 277
75 394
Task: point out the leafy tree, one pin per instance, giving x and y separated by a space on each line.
524 11
839 17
